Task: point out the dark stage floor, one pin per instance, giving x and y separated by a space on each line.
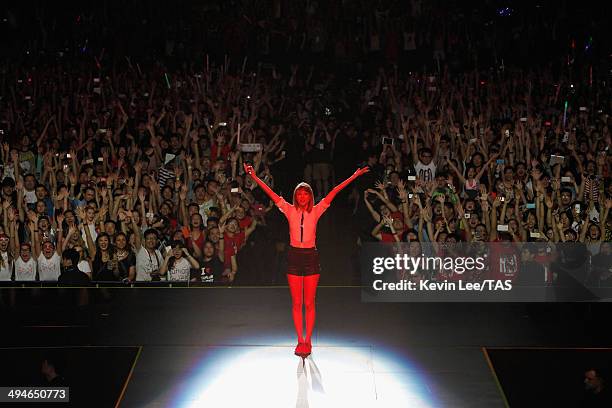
233 346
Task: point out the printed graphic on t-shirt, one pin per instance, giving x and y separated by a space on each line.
25 271
179 271
49 269
207 274
425 172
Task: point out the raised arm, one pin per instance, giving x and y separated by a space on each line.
373 212
332 194
251 172
136 231
603 219
250 229
456 170
60 234
192 261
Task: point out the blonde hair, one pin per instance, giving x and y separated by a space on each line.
306 187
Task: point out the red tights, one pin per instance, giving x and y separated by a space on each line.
303 290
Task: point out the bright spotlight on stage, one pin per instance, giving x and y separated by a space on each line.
271 376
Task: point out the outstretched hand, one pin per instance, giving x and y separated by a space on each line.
361 171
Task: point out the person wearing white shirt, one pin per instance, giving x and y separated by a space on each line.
29 189
178 263
424 166
49 263
87 215
49 256
6 259
25 265
148 258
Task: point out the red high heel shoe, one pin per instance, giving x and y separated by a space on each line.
307 349
300 349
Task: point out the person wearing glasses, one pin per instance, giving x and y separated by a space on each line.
25 265
148 258
48 255
425 167
424 164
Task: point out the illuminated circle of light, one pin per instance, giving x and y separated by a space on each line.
271 376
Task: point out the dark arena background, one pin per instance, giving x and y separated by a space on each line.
144 261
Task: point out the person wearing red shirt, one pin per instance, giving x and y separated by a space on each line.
389 229
504 260
303 258
244 220
195 235
220 149
235 238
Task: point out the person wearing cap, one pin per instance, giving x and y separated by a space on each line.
178 263
303 258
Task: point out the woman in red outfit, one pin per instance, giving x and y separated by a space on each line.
303 258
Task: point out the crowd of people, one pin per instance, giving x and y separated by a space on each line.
127 170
